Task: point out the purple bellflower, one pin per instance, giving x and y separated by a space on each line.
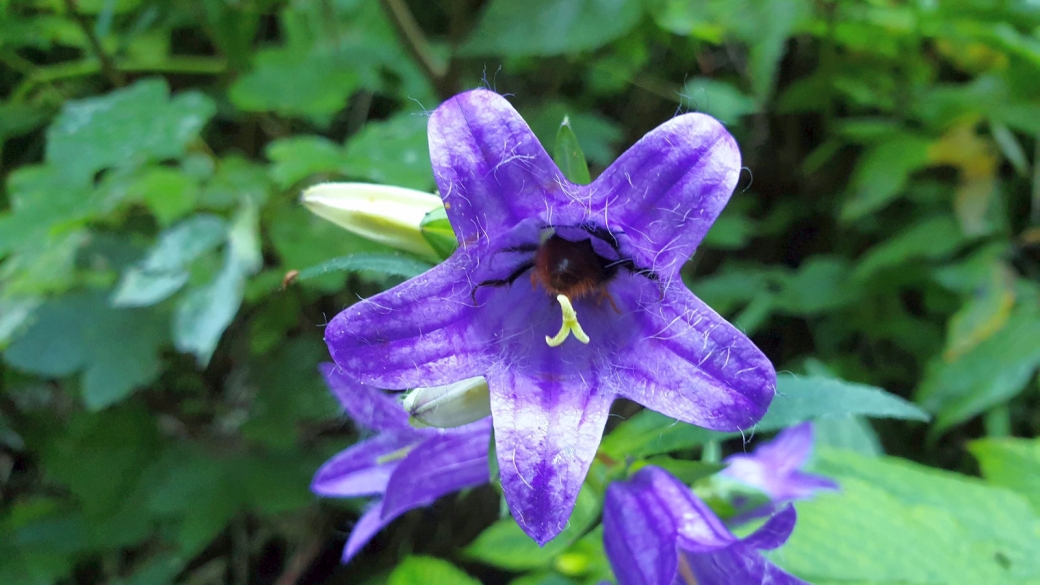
407 467
610 251
657 532
774 468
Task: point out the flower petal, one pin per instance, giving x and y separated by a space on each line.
358 471
775 531
444 463
774 575
697 527
773 468
547 429
638 534
368 406
666 191
734 565
415 334
491 170
690 364
789 449
370 523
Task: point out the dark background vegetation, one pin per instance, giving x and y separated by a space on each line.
160 408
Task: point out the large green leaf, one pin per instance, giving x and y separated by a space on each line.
296 81
126 127
897 522
882 173
797 399
205 311
393 152
115 349
1011 463
418 570
504 544
550 27
165 269
993 371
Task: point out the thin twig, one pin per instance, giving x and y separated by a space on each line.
108 68
416 43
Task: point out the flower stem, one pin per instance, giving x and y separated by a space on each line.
108 67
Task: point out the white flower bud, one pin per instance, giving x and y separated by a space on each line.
382 213
450 406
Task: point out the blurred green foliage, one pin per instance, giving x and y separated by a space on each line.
160 407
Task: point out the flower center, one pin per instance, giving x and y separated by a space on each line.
572 269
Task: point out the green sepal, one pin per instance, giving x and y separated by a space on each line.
436 230
569 156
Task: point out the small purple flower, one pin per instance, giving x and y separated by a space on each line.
408 467
774 468
610 251
657 532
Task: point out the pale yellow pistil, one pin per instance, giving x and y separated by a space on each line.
570 324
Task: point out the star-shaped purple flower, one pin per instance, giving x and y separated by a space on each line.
610 252
657 532
774 467
407 467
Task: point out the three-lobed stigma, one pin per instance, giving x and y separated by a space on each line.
570 324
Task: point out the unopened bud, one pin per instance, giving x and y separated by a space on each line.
450 406
382 213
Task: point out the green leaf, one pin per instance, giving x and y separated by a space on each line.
420 570
437 231
995 370
1011 148
1011 463
932 238
504 544
296 81
686 471
393 152
569 157
850 434
204 312
899 522
164 269
650 433
717 98
169 193
44 205
820 285
731 231
289 390
881 174
100 457
550 27
14 314
126 127
392 264
115 349
296 158
801 398
798 398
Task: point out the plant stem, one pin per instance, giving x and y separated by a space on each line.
417 44
115 76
